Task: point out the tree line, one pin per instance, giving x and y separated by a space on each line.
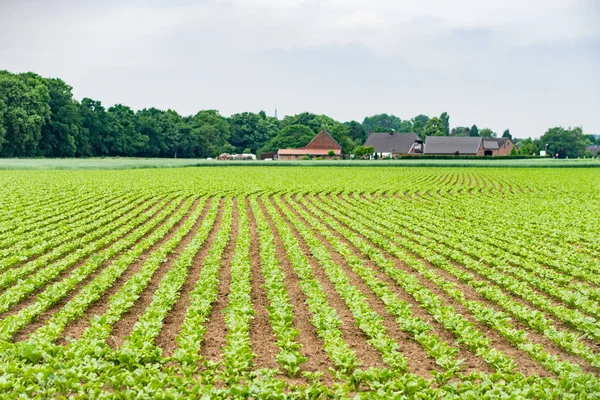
40 118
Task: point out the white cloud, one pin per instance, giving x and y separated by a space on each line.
497 63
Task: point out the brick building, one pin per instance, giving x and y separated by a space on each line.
320 146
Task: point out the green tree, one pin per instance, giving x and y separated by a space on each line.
382 123
474 131
360 151
487 133
419 123
446 123
460 131
123 137
60 132
251 131
24 101
527 147
506 134
290 137
94 122
434 127
356 132
317 123
210 132
566 142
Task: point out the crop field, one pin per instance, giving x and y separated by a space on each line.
301 282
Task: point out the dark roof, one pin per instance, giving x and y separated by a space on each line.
490 144
452 145
395 143
323 141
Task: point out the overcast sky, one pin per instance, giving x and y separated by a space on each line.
519 64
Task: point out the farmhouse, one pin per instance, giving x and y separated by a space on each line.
497 146
468 146
320 146
391 144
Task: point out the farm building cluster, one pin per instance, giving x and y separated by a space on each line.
391 145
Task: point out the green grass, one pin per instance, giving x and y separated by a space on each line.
134 163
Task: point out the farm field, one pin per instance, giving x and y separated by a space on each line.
309 282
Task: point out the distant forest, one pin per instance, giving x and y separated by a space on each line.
40 118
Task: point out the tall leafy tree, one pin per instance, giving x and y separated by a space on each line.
93 139
210 130
566 142
59 134
487 133
24 102
474 131
290 137
446 123
506 134
356 132
434 127
382 122
251 131
150 124
460 131
419 122
527 147
123 136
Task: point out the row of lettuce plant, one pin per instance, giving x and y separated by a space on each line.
61 233
369 321
281 312
202 297
534 319
92 292
18 269
20 288
443 353
55 292
324 317
465 331
510 283
139 345
22 232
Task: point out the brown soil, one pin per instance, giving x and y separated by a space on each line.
77 327
216 331
356 339
472 362
418 360
172 322
312 344
131 269
525 364
262 337
32 297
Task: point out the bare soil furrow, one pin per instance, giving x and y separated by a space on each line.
216 330
312 344
77 327
356 339
133 268
172 322
262 337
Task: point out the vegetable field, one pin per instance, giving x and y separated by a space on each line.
311 282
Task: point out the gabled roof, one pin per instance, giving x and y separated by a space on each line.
452 145
309 152
490 144
323 141
395 143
